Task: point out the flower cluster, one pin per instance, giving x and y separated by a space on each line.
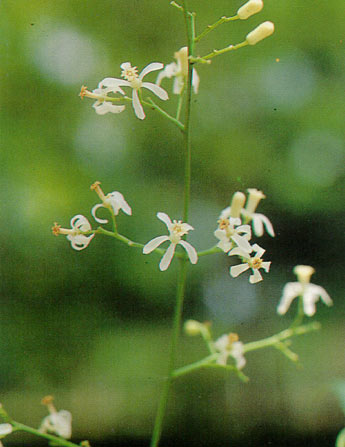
234 233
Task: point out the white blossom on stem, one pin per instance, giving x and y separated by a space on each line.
253 262
79 225
310 293
103 104
260 32
179 71
259 221
229 346
114 201
57 422
176 229
135 81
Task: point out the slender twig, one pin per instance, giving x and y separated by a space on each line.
214 53
54 439
210 28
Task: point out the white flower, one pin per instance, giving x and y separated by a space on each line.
250 8
5 429
102 106
260 32
59 423
79 224
229 346
310 293
177 229
179 71
255 263
135 81
113 200
228 234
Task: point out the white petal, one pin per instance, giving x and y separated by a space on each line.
80 222
290 292
138 109
158 91
238 269
259 250
235 221
244 229
5 429
118 202
168 72
178 85
151 67
324 296
242 243
79 242
195 81
191 252
103 107
309 300
225 214
255 277
266 266
267 223
239 252
97 219
154 243
221 235
114 83
165 218
168 255
225 245
258 226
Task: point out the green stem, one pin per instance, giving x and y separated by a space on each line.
215 53
210 251
179 105
33 431
162 406
300 313
210 28
157 430
194 366
283 335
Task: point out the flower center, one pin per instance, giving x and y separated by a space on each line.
256 263
232 337
130 73
223 223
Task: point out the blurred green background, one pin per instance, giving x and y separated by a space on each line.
92 327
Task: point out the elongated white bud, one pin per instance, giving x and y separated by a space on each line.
237 203
259 33
250 8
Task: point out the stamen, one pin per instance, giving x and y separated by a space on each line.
256 263
223 223
98 190
48 402
83 91
130 73
56 229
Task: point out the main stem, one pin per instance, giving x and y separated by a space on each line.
181 285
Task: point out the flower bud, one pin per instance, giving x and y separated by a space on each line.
192 327
250 8
237 203
303 273
259 33
253 200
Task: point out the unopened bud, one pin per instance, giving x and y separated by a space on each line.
250 8
253 200
259 33
303 273
237 203
192 327
5 429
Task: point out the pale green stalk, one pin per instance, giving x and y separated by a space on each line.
17 426
189 23
215 53
210 28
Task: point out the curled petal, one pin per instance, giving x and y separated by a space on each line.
324 295
158 91
191 252
80 241
258 226
178 85
118 202
166 259
80 223
165 218
97 219
151 67
255 277
238 269
267 223
154 243
138 108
